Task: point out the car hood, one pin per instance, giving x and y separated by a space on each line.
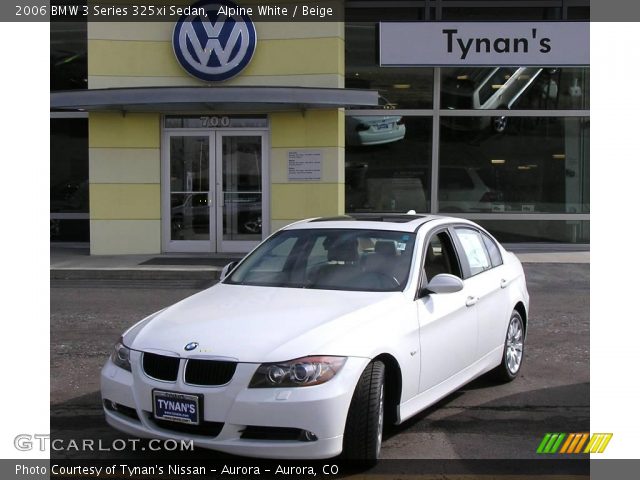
258 324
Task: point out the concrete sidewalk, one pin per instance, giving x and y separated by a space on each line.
74 261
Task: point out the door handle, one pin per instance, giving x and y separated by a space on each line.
504 283
471 301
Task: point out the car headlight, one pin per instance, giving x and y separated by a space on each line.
120 355
302 372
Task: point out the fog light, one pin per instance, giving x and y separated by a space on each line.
308 436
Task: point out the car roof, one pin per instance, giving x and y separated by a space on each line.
391 222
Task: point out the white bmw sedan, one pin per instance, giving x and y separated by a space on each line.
328 330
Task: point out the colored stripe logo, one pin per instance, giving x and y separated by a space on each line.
574 443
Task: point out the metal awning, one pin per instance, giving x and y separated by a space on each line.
186 99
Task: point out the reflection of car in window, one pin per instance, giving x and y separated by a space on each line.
463 190
384 189
191 214
484 89
362 130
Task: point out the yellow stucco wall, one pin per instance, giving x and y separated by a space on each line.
131 54
314 130
125 149
124 183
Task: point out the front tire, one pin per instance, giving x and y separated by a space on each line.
363 431
513 353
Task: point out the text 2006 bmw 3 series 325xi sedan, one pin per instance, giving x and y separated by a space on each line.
329 330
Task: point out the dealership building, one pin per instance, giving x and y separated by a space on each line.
206 134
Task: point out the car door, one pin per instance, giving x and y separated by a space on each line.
485 281
448 326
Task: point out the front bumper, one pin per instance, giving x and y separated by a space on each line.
321 410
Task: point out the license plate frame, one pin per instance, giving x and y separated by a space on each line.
189 417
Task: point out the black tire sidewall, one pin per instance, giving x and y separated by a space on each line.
361 431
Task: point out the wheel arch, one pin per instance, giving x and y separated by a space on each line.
521 309
392 386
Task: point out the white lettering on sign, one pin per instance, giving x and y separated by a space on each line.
484 43
215 122
305 165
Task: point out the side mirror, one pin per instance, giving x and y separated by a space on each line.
227 269
444 283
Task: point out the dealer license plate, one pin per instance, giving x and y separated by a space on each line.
176 407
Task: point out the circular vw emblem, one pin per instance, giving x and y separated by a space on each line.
214 47
191 346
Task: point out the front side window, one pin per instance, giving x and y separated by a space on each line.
330 259
474 250
441 257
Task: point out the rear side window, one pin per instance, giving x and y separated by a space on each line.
493 250
474 250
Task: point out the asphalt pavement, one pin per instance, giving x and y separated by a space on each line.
483 420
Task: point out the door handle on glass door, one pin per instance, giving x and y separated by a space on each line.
471 301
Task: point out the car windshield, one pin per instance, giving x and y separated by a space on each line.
330 259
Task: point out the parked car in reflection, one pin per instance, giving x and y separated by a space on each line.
189 214
374 130
463 190
484 89
193 214
385 189
365 130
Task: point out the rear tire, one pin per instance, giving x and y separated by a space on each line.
363 430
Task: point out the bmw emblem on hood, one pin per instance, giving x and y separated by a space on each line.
191 346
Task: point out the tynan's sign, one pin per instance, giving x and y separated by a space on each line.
213 46
484 43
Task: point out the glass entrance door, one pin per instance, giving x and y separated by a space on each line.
240 202
213 190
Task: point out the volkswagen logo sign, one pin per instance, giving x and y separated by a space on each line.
214 47
191 346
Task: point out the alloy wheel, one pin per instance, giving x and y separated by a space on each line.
514 345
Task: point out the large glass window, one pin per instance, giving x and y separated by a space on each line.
388 163
69 182
68 63
398 87
515 172
537 164
69 179
538 231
